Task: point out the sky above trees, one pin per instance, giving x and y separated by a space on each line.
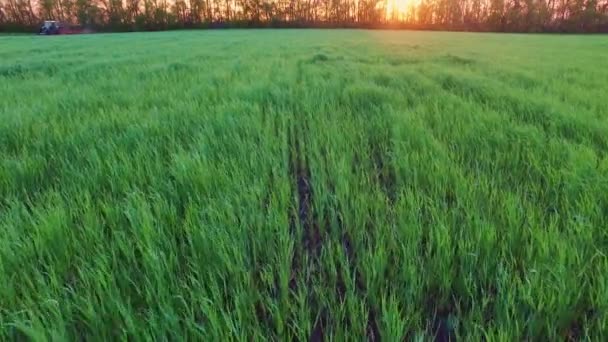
470 15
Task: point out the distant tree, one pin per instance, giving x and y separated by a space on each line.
20 12
497 17
131 11
369 11
197 11
47 8
180 10
425 12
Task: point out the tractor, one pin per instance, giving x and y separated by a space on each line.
50 27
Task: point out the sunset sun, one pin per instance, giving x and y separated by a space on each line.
399 8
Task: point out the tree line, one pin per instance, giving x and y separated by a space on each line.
462 15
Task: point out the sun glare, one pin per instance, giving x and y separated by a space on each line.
399 8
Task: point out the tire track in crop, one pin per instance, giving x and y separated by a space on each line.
305 218
374 160
309 229
438 313
381 151
382 169
372 330
332 216
304 227
314 232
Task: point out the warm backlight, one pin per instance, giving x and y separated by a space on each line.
399 9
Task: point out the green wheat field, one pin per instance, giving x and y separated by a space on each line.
304 185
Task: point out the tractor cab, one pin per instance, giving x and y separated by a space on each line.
50 27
